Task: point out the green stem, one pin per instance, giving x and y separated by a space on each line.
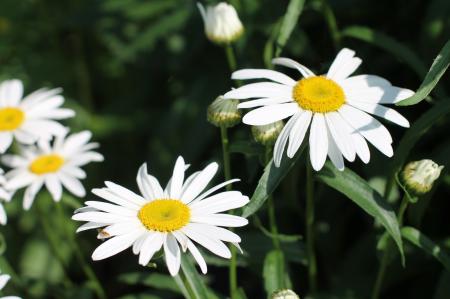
387 252
49 234
88 271
227 173
187 286
331 23
271 210
312 266
231 58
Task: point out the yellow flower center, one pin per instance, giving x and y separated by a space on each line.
318 94
46 163
164 215
11 118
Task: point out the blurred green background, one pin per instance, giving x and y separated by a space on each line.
140 74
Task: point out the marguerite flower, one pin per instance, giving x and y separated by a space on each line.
178 215
334 104
5 196
32 117
54 165
4 278
222 24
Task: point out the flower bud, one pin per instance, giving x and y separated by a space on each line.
267 134
224 112
284 294
418 176
222 24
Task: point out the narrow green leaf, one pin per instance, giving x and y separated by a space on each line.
195 281
287 26
281 237
423 242
361 193
437 69
274 271
240 294
399 50
270 179
417 130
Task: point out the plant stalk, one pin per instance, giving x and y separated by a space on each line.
312 265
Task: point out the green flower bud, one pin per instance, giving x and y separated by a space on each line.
284 294
267 134
224 113
418 176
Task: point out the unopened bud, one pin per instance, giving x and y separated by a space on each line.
222 24
267 134
224 113
418 176
284 294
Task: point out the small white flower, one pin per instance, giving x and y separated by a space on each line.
4 278
222 24
5 196
177 215
419 176
54 165
32 117
334 104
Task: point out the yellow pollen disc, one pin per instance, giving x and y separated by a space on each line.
164 215
11 118
46 164
318 94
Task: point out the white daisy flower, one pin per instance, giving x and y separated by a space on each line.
5 196
54 165
4 278
179 214
32 117
222 24
334 104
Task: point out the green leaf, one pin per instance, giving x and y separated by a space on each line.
360 192
155 280
399 50
240 294
269 181
287 26
281 237
438 68
194 280
274 272
417 130
423 242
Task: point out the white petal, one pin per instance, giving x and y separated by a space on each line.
199 183
318 141
14 161
115 245
364 81
89 225
110 208
4 278
11 92
144 184
100 217
381 111
138 243
263 102
362 149
218 203
172 255
22 179
118 229
125 193
197 256
298 132
3 217
181 238
270 114
380 95
6 139
215 246
30 193
368 127
220 220
152 243
282 139
334 153
260 90
177 178
54 186
341 133
24 136
294 65
215 232
343 65
263 74
105 193
74 142
215 188
38 96
72 184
